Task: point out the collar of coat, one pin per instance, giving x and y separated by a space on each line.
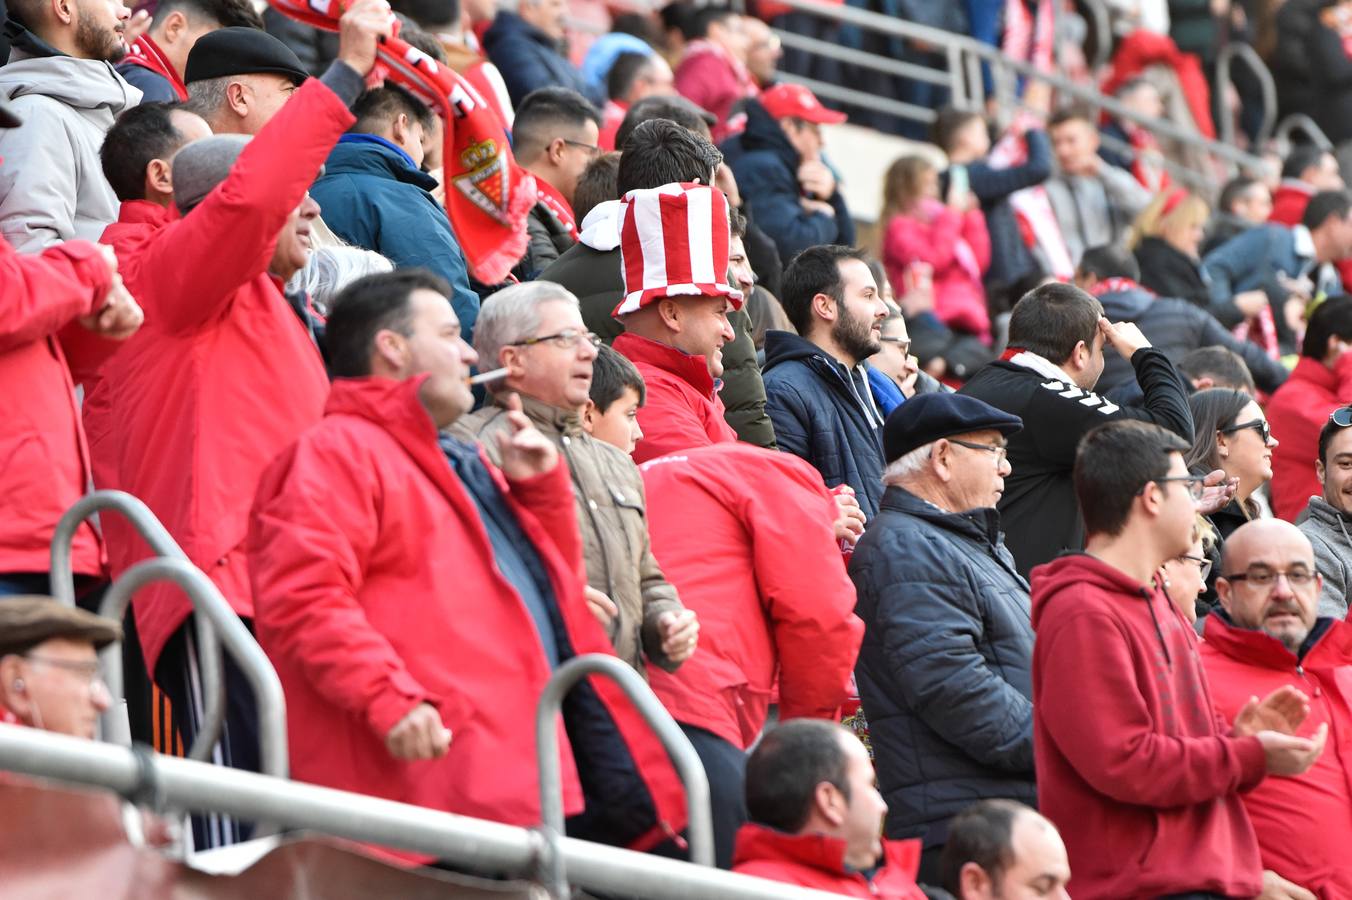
982 523
758 843
691 368
549 419
1329 644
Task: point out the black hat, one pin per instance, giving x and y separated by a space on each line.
8 118
925 418
26 622
241 51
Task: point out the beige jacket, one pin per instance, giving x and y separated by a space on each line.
612 515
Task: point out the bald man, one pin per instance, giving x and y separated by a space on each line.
1267 636
1002 850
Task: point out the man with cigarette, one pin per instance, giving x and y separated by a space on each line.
415 598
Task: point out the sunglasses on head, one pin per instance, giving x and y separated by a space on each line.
1342 417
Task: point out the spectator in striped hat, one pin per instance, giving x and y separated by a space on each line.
674 256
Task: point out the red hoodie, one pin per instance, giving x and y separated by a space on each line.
1133 765
818 862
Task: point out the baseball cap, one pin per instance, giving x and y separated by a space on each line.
785 101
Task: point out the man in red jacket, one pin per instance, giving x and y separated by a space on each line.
745 535
48 304
1133 765
415 598
1268 637
227 372
712 72
1320 383
674 254
816 815
1306 171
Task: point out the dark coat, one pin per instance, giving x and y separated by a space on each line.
1011 260
1169 272
825 414
595 277
945 671
372 196
529 59
548 238
766 167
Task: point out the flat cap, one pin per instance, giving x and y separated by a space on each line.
241 51
202 165
925 418
26 622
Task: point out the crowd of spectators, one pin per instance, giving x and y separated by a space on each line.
1041 483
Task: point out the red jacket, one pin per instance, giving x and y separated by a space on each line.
710 78
745 536
376 590
612 117
817 861
959 249
1297 412
682 408
45 461
1302 823
1133 765
223 375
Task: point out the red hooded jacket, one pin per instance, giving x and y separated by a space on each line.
376 591
223 375
1133 765
683 409
745 535
817 861
1302 823
1297 412
958 247
46 462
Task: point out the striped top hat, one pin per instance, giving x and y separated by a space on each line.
674 243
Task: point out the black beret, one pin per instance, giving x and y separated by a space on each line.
241 51
26 622
925 418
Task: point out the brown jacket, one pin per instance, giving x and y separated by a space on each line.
612 516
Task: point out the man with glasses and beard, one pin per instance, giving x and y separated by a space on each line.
59 81
1268 635
816 384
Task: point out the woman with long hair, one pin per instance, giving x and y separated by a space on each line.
1167 240
948 235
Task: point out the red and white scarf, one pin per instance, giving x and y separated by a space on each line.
144 52
553 201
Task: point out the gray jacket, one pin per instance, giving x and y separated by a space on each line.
1331 534
51 185
1095 211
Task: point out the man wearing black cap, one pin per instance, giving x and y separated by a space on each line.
59 80
945 671
238 78
49 665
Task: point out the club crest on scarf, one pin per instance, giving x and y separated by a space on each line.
493 194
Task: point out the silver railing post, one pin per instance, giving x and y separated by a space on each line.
1224 64
677 745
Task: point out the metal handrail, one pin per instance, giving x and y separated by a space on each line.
913 71
1302 122
1224 62
162 543
208 602
860 98
1101 22
467 843
677 745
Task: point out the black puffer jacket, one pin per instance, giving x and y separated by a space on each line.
945 671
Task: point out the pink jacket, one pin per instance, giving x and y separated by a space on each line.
959 249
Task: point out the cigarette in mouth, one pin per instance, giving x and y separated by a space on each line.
486 377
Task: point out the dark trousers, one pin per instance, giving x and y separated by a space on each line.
725 765
177 673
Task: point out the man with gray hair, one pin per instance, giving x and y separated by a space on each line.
535 331
238 78
945 671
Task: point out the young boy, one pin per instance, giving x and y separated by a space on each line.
617 393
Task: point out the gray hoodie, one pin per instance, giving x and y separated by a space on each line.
1331 534
51 181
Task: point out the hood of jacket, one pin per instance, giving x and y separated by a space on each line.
354 155
785 346
758 844
1064 579
1125 305
763 133
391 404
1328 516
601 227
37 69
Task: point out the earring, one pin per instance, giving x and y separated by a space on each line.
18 685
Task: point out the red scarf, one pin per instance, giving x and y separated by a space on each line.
488 196
1116 285
553 201
144 52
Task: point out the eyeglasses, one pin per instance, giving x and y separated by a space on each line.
592 149
1342 417
1194 484
1266 578
1202 562
91 672
1259 425
999 451
903 344
564 340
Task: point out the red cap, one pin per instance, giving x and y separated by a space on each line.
785 101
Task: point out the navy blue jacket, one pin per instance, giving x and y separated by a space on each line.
766 167
372 195
825 414
529 59
945 670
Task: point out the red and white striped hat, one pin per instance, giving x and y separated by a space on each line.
674 243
